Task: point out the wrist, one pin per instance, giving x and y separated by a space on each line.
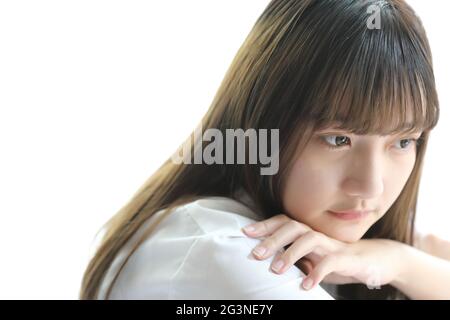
403 267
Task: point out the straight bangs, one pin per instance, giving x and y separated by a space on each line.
381 82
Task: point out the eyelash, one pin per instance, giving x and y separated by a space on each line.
329 146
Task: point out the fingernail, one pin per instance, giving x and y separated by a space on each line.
250 228
307 283
278 266
259 251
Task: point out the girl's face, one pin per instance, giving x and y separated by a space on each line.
340 171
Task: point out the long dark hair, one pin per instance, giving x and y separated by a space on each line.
304 65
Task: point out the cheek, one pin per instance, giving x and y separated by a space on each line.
396 180
307 190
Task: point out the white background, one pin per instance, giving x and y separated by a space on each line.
94 95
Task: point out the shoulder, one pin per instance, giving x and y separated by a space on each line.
200 252
432 244
220 214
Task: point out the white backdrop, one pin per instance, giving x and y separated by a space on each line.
94 95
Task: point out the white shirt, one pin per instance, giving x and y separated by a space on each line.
198 251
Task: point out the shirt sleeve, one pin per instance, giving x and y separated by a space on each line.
196 254
220 266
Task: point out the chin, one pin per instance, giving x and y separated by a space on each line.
347 237
350 239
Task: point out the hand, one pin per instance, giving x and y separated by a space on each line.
373 261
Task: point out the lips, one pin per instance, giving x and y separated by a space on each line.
350 214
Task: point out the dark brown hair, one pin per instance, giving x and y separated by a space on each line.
304 65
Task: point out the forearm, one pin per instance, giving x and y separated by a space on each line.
423 276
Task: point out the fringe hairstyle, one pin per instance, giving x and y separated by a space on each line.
305 64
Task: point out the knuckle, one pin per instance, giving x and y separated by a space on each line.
317 236
294 223
265 226
311 235
299 226
270 243
289 257
283 218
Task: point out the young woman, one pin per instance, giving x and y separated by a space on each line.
349 86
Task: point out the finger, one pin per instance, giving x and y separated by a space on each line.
309 242
338 263
335 278
267 226
284 235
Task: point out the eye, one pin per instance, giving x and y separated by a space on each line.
406 144
334 142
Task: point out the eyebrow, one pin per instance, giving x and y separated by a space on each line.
406 127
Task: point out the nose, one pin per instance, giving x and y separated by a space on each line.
365 177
